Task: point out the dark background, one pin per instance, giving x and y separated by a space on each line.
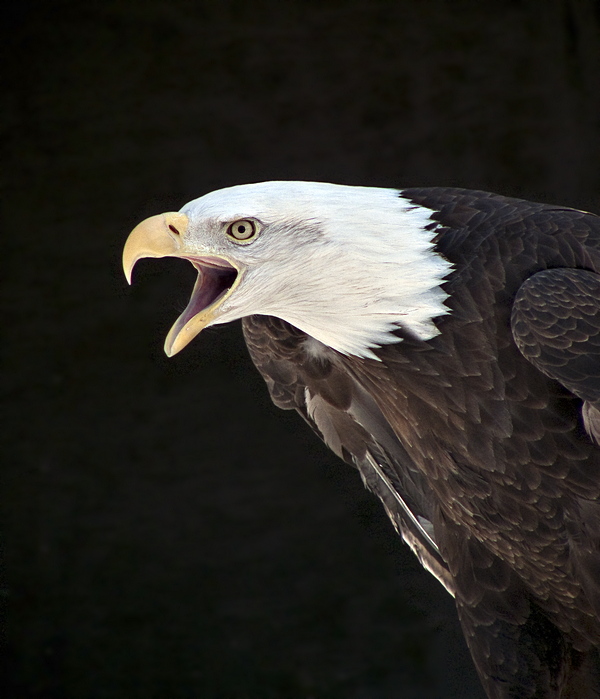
170 533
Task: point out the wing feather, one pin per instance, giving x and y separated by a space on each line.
346 417
556 325
477 454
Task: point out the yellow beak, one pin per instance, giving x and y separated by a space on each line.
161 236
157 236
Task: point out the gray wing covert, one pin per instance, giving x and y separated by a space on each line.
556 325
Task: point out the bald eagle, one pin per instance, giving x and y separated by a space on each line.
446 343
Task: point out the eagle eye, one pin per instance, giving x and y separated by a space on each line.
242 231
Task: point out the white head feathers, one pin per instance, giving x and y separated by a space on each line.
346 265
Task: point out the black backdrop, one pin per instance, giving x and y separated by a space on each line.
170 533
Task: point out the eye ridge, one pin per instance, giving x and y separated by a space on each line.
242 230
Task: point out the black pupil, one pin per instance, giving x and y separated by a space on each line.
241 229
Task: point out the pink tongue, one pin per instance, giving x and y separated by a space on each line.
206 290
210 284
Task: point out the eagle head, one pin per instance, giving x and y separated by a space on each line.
347 265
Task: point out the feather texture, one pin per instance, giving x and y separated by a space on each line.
481 431
446 343
347 265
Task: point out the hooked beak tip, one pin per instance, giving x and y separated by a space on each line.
157 236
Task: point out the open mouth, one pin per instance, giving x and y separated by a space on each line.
160 236
216 277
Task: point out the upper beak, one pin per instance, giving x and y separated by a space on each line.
162 236
157 236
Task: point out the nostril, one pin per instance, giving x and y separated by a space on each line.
174 230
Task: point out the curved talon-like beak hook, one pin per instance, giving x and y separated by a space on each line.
157 236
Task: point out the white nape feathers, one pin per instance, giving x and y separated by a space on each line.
347 265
